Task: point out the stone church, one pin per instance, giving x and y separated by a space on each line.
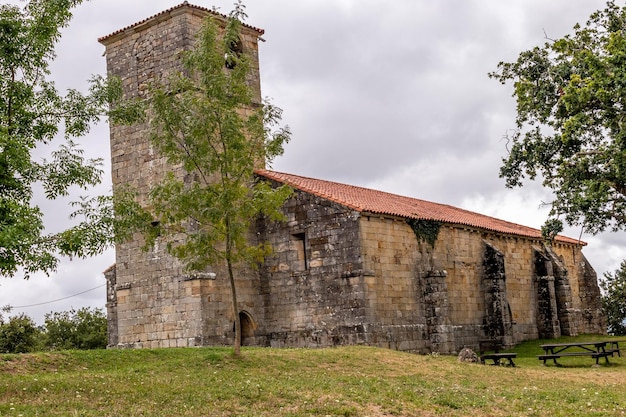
350 265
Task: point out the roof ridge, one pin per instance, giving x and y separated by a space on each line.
345 185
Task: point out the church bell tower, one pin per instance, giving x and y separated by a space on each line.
150 303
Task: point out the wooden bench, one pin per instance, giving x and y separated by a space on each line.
595 355
615 346
494 345
497 357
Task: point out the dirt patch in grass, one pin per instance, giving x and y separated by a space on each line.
26 363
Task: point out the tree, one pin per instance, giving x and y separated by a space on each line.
570 132
614 300
76 329
32 114
18 335
204 121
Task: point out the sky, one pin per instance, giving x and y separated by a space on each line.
390 95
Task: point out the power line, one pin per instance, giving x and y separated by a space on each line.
60 299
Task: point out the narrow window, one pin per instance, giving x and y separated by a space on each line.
156 233
299 245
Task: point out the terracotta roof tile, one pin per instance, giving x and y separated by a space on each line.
170 10
366 200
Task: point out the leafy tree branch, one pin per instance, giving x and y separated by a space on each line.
570 121
33 113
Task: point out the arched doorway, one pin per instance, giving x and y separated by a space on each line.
248 326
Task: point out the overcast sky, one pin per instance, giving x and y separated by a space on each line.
391 95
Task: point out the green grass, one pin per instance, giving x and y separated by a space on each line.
348 381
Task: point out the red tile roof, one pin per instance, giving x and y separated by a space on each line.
170 10
366 200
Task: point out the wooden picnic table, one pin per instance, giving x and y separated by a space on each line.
595 349
494 345
615 346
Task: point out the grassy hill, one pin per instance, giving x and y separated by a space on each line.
347 381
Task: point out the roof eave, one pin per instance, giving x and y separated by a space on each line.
559 239
184 7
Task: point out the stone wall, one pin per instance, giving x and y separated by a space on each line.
405 294
313 285
581 299
470 285
592 319
491 286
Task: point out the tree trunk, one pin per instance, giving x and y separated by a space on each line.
233 291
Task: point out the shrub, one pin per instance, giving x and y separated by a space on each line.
82 329
18 335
